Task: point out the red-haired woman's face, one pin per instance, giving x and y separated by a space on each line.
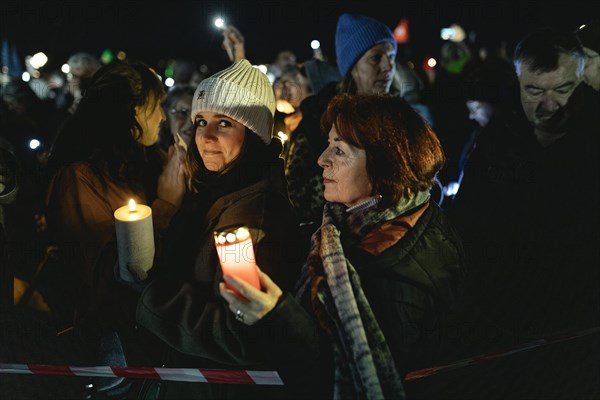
344 172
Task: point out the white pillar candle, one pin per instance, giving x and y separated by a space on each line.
236 254
135 240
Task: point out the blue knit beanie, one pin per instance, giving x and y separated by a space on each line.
355 34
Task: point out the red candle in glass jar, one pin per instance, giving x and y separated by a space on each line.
236 255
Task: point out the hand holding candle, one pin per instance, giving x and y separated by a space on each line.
236 254
135 240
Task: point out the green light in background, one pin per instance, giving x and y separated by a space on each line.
107 56
169 71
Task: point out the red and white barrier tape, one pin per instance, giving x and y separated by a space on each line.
248 377
422 373
243 377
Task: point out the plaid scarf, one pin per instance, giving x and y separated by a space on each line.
364 366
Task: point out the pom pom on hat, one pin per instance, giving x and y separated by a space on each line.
355 34
242 93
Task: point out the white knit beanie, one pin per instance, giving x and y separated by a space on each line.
242 93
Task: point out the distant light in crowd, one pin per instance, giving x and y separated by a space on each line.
451 189
446 33
169 71
107 56
459 33
65 68
34 144
121 55
582 26
454 32
219 23
38 60
401 32
431 62
315 44
284 106
282 136
169 82
262 68
26 77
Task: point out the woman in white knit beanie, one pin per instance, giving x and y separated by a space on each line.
236 180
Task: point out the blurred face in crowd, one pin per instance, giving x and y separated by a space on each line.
16 104
344 172
79 75
591 75
480 112
544 95
180 120
149 117
292 87
219 139
374 71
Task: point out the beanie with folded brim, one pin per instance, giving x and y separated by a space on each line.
354 35
240 92
589 36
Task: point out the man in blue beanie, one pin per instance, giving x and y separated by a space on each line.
366 58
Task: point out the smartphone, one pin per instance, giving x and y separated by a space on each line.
236 254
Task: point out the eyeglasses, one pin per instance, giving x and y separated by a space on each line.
181 114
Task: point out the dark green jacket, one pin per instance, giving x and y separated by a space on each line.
411 287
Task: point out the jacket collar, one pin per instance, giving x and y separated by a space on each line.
391 232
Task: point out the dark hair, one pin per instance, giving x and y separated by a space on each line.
491 80
403 153
541 50
347 85
104 130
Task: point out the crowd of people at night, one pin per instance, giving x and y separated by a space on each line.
401 219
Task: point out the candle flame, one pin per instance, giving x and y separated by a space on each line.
132 205
242 234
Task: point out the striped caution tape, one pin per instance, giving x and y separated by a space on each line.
248 377
423 373
240 377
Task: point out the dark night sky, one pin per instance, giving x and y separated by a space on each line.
184 28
